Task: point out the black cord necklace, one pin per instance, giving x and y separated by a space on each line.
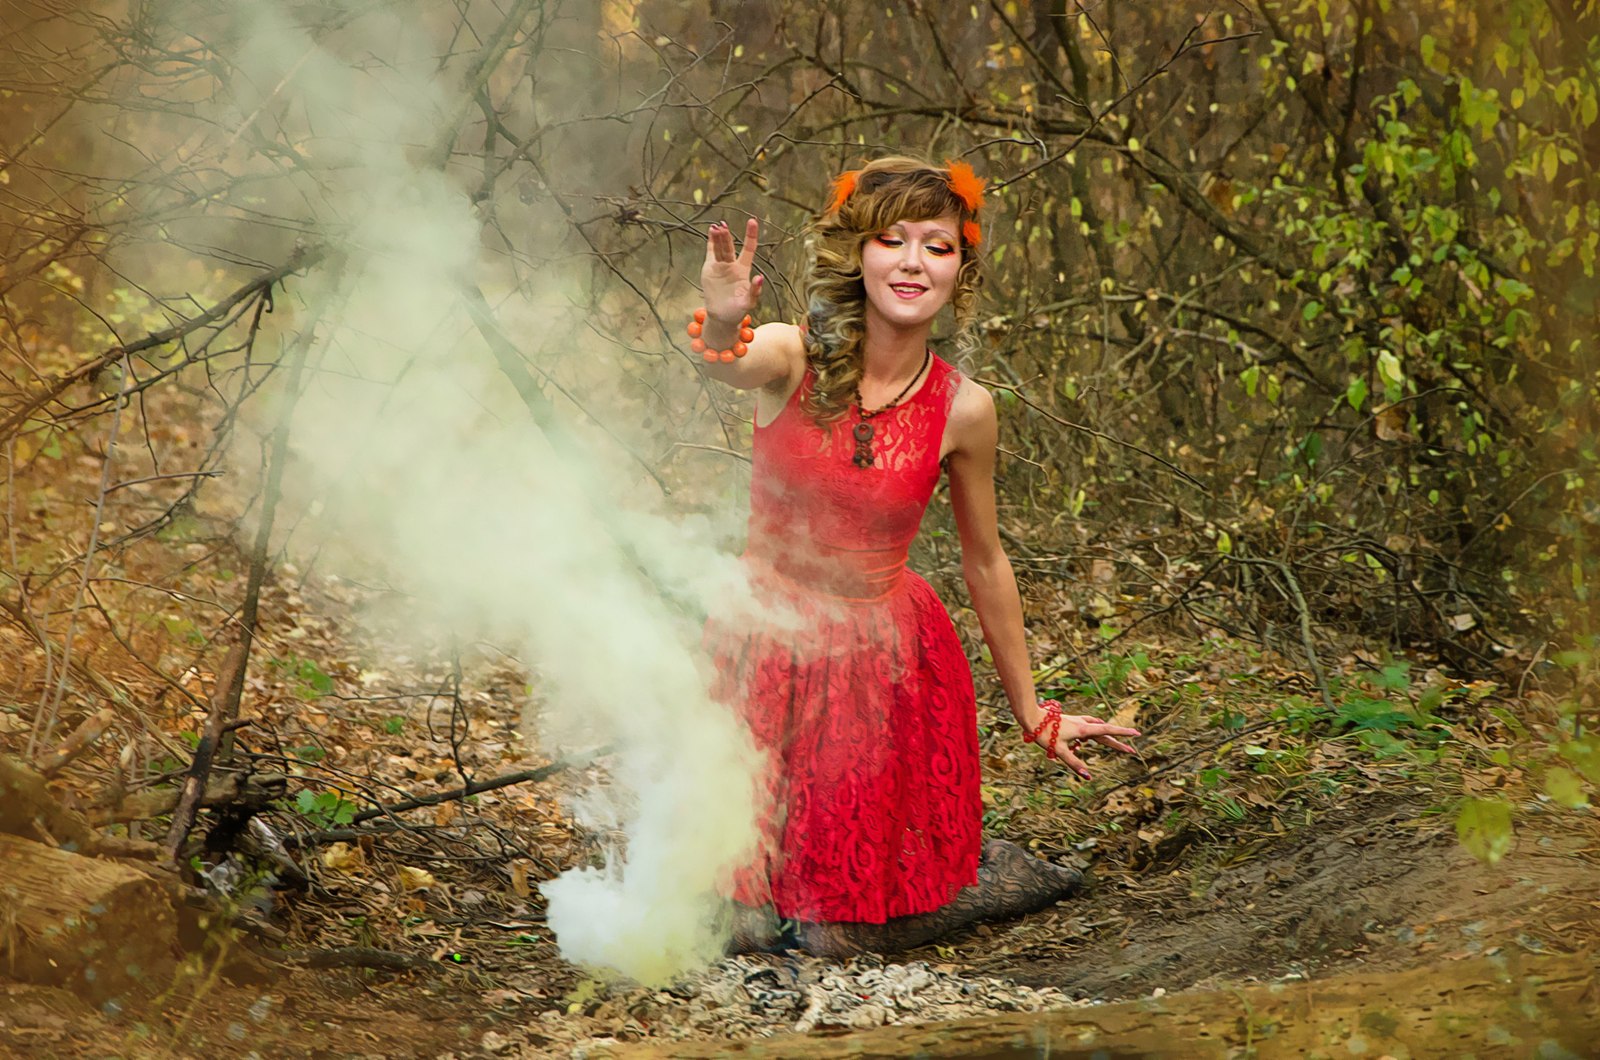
864 430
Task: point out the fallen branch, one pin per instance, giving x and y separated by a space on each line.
230 683
78 741
361 957
477 787
216 740
232 789
27 809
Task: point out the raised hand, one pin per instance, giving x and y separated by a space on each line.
725 281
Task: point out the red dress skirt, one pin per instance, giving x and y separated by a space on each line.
853 681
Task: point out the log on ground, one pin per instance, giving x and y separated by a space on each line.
102 929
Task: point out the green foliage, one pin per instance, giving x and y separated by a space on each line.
1484 828
307 677
1105 677
327 809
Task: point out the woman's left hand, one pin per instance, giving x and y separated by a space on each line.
1073 732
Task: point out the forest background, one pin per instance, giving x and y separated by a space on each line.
1290 315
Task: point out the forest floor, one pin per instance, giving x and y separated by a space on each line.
1259 837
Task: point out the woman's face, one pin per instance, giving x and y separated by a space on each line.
909 270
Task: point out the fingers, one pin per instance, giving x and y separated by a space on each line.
756 286
747 252
1073 762
711 245
1088 725
719 244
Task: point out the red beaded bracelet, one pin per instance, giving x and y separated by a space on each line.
738 349
1052 718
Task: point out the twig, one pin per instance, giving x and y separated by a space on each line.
477 787
418 802
300 259
1306 640
230 682
216 740
45 724
1047 414
77 742
362 957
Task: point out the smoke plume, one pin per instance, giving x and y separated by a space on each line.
424 460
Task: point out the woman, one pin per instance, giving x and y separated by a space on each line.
858 689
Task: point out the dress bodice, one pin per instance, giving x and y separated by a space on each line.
824 524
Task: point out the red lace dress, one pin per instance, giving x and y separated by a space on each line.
854 683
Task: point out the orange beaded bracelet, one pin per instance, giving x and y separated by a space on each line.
738 349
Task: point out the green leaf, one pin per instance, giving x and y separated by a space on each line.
1389 369
1356 393
1583 755
1395 676
1309 313
1565 787
1484 828
1372 715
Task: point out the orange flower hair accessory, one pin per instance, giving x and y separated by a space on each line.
966 185
844 185
971 233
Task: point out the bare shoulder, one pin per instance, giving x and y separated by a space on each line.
972 417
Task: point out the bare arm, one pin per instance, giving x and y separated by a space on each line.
974 433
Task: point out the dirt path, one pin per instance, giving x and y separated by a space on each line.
1377 886
1380 883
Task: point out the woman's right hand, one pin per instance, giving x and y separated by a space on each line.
725 281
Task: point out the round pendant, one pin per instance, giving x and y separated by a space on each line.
863 431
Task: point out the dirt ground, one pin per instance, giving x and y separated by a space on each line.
1379 883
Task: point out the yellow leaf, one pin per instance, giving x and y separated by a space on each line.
416 879
519 879
342 857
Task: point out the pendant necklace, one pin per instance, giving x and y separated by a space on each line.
864 430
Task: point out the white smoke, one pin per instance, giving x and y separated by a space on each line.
424 458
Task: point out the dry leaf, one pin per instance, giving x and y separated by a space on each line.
519 879
342 857
1390 425
1152 836
416 879
1463 622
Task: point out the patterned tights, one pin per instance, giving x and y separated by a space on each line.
1011 883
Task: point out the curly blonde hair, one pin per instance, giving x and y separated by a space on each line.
885 191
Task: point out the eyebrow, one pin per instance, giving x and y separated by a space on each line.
900 226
